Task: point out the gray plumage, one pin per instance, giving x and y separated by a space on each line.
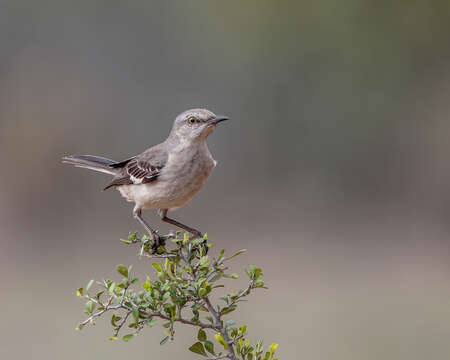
165 176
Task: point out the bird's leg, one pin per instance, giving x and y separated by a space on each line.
163 214
157 240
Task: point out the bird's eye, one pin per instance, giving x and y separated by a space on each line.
192 120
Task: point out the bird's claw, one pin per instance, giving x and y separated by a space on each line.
157 242
199 235
196 235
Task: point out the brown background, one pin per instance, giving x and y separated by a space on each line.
334 172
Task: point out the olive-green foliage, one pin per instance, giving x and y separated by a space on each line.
185 277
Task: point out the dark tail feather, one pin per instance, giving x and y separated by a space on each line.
96 163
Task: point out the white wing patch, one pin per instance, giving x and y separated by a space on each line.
136 180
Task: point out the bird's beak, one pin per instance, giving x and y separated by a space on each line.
218 119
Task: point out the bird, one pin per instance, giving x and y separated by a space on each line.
165 176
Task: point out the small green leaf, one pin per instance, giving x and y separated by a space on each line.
113 338
204 260
163 341
133 236
115 318
228 309
147 285
128 337
135 314
259 283
122 269
80 292
221 341
236 254
201 336
242 329
89 285
111 288
209 346
272 349
151 322
126 241
157 267
90 306
234 276
216 277
198 349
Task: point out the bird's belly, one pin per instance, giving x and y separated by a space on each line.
173 188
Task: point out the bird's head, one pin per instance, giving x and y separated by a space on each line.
195 124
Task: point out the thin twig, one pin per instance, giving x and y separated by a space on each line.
231 355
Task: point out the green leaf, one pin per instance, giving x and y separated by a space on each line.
198 349
216 277
204 260
80 292
89 285
209 346
122 269
259 283
128 337
151 322
272 349
111 288
221 341
228 309
147 285
126 241
90 306
163 341
201 336
236 254
115 318
196 241
157 267
234 276
135 314
113 338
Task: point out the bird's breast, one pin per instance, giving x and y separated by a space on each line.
180 180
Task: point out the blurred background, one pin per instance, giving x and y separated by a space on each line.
334 171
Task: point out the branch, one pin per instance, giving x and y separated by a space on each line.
186 276
231 355
181 320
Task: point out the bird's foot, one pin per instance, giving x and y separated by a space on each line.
196 235
199 235
157 242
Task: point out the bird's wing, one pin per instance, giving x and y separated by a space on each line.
140 169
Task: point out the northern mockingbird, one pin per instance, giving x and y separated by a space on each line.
165 176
